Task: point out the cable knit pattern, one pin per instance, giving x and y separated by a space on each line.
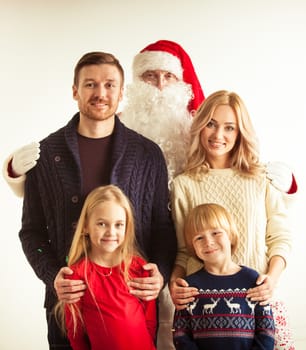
53 200
257 207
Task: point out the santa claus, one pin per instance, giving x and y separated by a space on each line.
162 98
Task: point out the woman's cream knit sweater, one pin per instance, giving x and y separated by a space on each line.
257 207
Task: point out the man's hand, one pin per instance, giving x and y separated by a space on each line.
69 291
147 288
25 158
181 293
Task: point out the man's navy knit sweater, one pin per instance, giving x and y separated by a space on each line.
53 200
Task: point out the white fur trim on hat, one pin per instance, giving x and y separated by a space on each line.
153 60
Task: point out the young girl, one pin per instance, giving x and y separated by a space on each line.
221 316
103 254
223 167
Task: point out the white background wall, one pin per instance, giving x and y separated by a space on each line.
256 48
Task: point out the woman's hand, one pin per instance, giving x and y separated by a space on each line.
264 292
267 282
181 293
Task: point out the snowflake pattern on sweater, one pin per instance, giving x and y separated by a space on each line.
222 313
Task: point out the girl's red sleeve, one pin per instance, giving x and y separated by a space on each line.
149 306
79 339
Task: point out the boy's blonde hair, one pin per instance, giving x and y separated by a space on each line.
209 216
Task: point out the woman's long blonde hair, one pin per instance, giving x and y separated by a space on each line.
81 246
245 154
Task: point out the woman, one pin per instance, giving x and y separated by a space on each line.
223 167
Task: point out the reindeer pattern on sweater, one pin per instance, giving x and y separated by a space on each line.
222 312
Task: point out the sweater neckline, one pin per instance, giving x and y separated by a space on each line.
225 276
224 171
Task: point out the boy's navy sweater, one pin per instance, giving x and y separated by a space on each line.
221 317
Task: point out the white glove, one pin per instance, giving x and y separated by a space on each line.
25 158
280 175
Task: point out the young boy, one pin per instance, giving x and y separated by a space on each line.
221 316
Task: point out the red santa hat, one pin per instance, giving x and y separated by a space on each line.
171 57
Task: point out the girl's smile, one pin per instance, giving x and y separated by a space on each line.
106 228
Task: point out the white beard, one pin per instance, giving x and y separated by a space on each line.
163 117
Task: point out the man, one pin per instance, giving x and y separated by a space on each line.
93 149
164 95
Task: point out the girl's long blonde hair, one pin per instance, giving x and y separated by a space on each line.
81 246
245 154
